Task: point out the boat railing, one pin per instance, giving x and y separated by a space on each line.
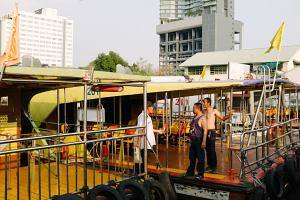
260 147
70 164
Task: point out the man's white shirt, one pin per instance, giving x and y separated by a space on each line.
150 132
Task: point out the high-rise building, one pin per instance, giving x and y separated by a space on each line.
172 10
196 26
43 35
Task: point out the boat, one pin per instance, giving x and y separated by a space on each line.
74 150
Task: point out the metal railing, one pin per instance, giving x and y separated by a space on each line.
31 172
256 153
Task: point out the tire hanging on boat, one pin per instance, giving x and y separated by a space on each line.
156 190
164 179
104 192
274 184
290 169
67 197
132 190
297 155
259 194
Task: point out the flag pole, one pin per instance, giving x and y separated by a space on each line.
276 69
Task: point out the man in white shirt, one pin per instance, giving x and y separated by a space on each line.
139 141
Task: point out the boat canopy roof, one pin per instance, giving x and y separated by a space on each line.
48 100
42 77
75 94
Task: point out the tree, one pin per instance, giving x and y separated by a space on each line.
108 62
142 67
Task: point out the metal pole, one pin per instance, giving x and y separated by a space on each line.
121 142
171 114
278 114
157 123
85 139
179 116
65 130
289 104
221 109
167 131
114 110
100 136
146 128
229 131
263 121
58 149
297 111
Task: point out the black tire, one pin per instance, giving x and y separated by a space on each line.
290 169
258 194
104 192
164 179
274 184
156 190
297 154
67 197
132 190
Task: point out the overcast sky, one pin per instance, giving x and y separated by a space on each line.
128 26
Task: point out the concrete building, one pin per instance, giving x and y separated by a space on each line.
172 10
43 35
218 63
206 25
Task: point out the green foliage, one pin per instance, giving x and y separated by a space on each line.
108 62
142 67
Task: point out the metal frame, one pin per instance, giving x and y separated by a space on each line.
37 157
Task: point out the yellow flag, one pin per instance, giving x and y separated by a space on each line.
11 55
276 41
203 72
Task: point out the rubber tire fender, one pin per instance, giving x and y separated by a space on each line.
290 169
156 190
164 179
259 194
274 184
297 154
105 191
134 186
67 197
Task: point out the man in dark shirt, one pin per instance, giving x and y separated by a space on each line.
198 142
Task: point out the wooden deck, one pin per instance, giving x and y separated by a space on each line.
43 191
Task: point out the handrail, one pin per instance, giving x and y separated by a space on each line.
69 144
69 134
244 149
263 129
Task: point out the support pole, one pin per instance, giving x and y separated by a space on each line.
146 127
85 186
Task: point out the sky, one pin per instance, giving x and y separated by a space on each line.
129 27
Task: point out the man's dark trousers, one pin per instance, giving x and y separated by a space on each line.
211 149
196 153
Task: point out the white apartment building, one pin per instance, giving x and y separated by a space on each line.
43 35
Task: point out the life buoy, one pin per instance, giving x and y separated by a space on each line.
274 184
165 180
67 197
156 190
103 192
131 190
290 169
